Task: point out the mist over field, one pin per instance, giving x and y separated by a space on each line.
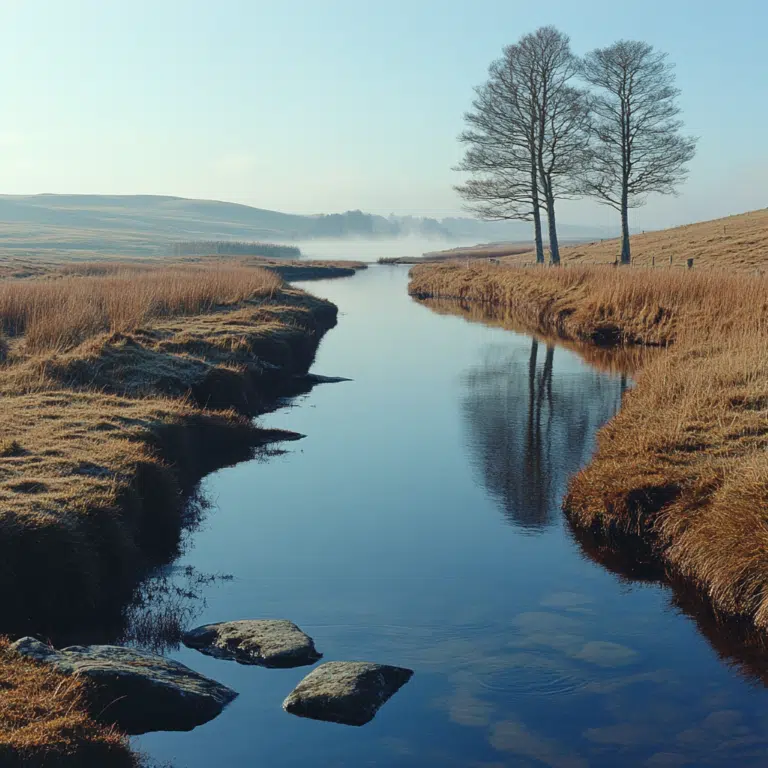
371 249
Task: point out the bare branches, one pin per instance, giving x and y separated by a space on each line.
526 134
534 137
637 147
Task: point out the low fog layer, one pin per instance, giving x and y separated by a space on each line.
370 250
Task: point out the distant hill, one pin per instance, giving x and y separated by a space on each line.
151 224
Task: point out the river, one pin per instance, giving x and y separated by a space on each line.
418 523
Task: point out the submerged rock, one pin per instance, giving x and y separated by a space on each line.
136 690
347 692
267 642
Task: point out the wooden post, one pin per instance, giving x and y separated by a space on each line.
653 261
690 263
670 259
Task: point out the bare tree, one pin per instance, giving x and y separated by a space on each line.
637 145
501 150
563 118
526 137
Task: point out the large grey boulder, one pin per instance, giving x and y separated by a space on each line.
136 690
347 692
267 642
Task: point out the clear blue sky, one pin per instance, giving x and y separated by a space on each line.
323 105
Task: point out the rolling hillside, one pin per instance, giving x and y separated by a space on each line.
736 242
150 224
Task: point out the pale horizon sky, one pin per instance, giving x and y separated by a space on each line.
311 107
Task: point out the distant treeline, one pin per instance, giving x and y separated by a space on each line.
235 248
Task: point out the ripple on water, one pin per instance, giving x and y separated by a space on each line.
529 674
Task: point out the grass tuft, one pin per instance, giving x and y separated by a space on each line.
44 720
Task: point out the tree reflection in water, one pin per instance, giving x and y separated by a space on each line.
530 426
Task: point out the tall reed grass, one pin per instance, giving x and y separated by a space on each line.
642 306
58 313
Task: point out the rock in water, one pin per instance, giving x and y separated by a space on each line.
136 690
347 692
267 642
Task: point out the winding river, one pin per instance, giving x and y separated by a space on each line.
418 523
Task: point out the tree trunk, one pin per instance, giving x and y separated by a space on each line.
538 236
625 254
554 247
536 216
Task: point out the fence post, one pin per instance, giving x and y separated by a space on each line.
670 259
653 261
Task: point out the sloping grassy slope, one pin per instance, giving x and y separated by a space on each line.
738 243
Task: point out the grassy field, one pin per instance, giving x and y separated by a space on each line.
20 267
681 474
121 386
734 243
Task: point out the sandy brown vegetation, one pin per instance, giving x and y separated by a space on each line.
681 474
44 720
102 411
61 313
287 269
622 359
122 388
734 243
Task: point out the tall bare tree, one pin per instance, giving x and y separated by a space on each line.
637 145
563 118
526 137
501 149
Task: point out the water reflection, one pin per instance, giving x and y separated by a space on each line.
527 429
530 427
625 360
736 643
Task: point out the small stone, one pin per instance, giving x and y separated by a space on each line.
346 692
266 642
136 690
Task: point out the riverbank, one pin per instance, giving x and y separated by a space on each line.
291 270
680 475
120 391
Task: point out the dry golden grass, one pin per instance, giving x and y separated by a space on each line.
287 269
44 720
734 243
61 313
91 466
683 468
604 303
625 358
123 387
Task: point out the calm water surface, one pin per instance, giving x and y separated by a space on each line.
419 524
